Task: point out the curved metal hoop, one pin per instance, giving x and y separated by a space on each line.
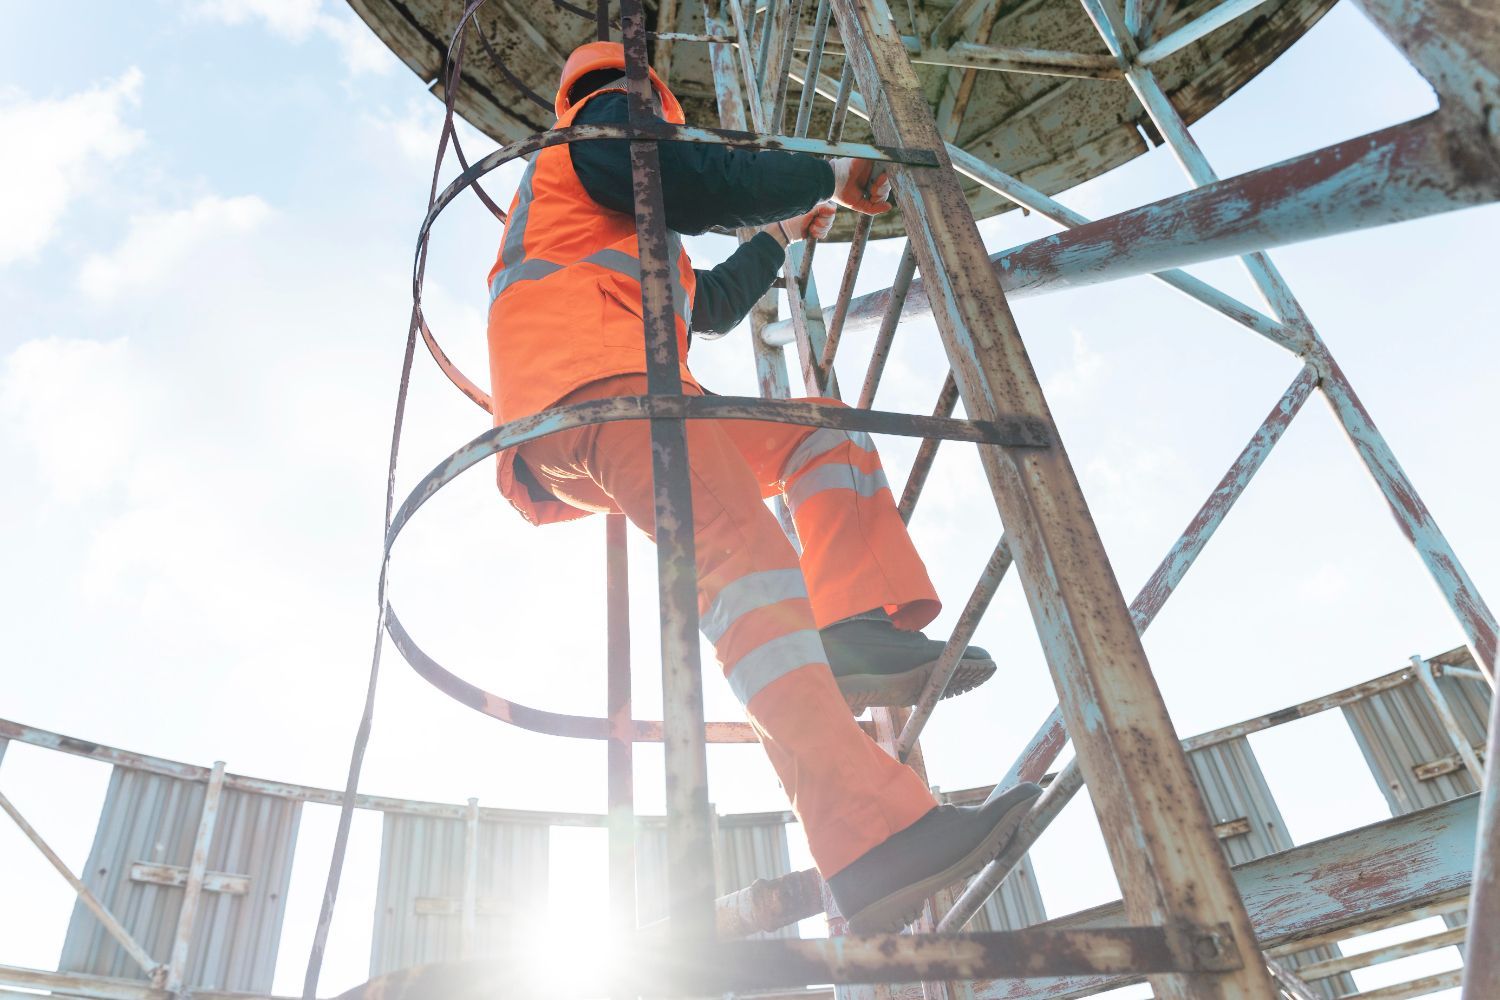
1011 432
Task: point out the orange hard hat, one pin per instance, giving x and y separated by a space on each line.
608 55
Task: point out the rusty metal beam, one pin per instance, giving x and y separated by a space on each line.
1337 883
1160 841
1049 740
690 865
1406 172
655 970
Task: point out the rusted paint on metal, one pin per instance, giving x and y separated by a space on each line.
1405 172
886 336
1114 710
921 466
660 970
1482 945
1413 517
1190 544
620 750
1333 884
690 877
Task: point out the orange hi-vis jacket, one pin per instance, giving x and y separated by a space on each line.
565 291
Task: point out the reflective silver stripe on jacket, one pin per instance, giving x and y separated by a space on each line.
773 660
834 477
750 593
821 442
516 266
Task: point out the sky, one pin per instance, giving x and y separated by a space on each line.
209 210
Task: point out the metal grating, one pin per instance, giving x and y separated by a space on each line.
151 820
420 897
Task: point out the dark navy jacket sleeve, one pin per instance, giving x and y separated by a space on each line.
703 185
726 293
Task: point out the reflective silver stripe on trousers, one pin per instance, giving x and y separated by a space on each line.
821 442
775 659
835 477
749 593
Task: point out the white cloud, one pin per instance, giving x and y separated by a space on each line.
54 147
159 242
1080 378
299 20
76 405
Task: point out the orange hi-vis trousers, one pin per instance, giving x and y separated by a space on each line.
760 606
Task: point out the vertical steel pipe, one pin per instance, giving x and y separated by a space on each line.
1456 737
469 918
814 57
958 641
783 78
621 744
857 244
1482 941
921 466
690 898
192 892
879 354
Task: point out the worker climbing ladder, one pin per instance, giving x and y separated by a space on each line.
1186 927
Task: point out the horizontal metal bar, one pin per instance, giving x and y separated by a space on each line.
1012 431
1377 956
675 133
328 796
1003 58
1332 884
79 984
1413 988
1406 172
1453 904
176 876
886 958
1045 62
1194 30
1313 706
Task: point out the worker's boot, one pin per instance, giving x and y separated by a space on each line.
877 664
883 889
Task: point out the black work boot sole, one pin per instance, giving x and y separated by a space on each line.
902 690
899 908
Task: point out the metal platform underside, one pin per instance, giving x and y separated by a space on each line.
1052 132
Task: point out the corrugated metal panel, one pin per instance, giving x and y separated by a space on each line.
1016 904
419 898
153 819
1239 801
1399 732
745 849
1250 826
